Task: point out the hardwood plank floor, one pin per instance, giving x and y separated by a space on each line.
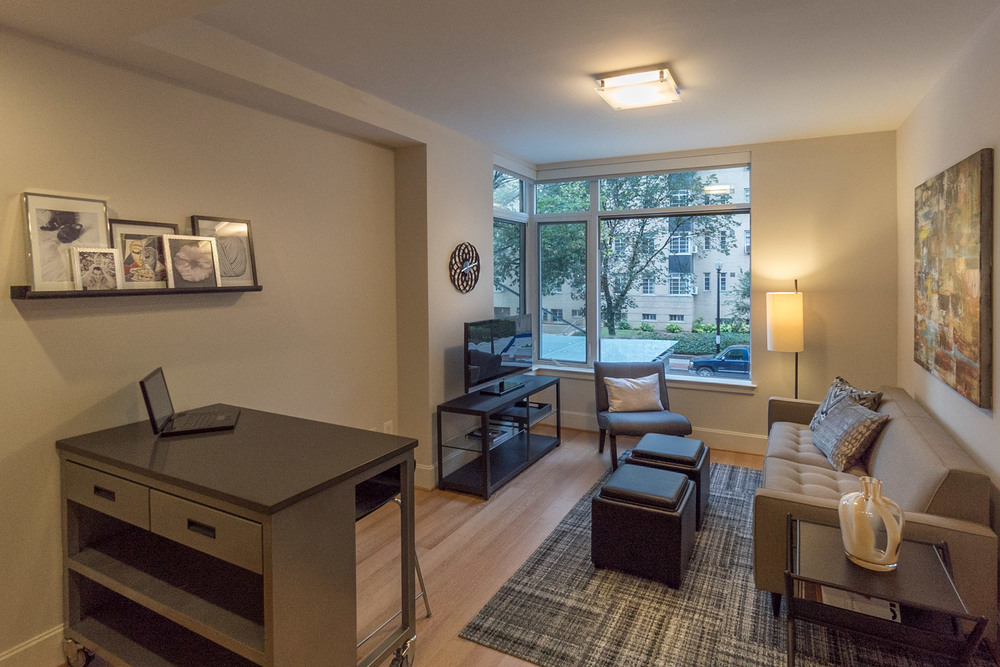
468 548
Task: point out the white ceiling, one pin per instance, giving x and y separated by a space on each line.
518 74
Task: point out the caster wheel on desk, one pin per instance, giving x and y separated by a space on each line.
76 654
403 656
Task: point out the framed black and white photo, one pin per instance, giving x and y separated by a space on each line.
144 265
235 247
192 261
96 268
56 224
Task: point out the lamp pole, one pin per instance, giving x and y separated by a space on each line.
718 307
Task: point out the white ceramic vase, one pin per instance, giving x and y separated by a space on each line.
865 517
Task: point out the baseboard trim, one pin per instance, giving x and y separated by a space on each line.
43 649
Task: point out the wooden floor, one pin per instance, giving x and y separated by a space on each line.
468 548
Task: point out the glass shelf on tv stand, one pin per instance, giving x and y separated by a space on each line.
471 440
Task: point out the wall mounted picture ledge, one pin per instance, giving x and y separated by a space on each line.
953 277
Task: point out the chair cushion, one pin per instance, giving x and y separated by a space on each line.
633 394
847 431
641 423
669 448
650 487
839 390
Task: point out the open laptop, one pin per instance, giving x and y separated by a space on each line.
165 422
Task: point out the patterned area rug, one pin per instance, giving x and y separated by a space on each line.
558 611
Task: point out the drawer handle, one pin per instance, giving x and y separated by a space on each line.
101 492
201 528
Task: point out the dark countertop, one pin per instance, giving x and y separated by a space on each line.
268 462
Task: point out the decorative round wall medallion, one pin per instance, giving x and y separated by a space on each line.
464 267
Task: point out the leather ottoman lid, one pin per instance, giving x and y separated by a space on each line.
669 448
641 485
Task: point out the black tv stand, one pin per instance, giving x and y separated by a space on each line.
495 440
502 387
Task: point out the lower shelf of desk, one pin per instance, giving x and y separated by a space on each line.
193 595
506 461
137 636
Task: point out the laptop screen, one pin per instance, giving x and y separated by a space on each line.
158 404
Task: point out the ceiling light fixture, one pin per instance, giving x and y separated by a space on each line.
632 90
718 189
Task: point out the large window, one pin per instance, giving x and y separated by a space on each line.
562 278
658 229
508 268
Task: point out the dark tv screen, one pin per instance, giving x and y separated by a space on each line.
497 348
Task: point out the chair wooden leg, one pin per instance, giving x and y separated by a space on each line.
614 453
600 443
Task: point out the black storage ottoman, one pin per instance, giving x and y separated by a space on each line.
684 455
642 523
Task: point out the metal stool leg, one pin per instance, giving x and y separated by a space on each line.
420 575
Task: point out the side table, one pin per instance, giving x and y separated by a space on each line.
915 606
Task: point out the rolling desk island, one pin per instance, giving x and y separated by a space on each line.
226 548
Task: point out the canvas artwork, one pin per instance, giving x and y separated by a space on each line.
953 275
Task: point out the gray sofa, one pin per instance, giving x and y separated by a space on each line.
945 495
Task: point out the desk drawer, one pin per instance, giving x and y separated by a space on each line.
106 493
226 536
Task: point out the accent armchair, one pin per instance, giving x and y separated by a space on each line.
640 423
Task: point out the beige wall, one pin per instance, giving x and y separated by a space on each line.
328 338
823 211
956 119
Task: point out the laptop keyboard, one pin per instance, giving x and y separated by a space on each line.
194 420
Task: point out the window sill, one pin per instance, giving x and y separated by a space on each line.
717 385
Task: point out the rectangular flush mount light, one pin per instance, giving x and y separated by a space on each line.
639 89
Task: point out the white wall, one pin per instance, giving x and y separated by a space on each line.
824 212
956 119
323 340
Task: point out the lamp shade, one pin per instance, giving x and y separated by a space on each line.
784 322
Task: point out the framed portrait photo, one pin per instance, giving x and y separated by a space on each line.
55 225
192 261
96 268
235 247
144 264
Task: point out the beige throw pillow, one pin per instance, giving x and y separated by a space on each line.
634 394
847 432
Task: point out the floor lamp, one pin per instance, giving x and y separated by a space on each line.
784 325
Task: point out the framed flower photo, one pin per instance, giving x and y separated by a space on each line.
56 224
96 268
235 246
144 265
192 261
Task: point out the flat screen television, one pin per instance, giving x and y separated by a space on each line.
496 349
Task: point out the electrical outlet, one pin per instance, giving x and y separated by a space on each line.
387 427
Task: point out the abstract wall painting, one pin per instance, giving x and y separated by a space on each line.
953 277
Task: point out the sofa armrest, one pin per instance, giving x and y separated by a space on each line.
972 547
793 410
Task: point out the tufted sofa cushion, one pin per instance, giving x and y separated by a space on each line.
812 481
793 443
